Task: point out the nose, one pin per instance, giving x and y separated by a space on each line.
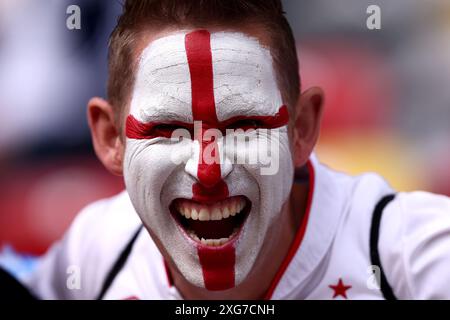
209 174
208 170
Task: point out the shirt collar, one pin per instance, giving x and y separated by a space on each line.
326 203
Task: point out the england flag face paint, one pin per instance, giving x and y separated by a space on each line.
212 217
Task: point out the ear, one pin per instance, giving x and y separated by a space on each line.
106 139
306 125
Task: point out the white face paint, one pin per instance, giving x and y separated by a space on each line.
167 90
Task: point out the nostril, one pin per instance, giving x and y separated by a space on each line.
209 174
213 194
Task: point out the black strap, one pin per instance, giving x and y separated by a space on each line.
374 254
118 265
12 289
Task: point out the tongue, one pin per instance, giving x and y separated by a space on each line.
215 229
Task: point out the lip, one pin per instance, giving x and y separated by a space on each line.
176 216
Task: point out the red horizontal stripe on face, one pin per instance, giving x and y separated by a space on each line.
280 119
136 129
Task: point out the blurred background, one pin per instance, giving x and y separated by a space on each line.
387 105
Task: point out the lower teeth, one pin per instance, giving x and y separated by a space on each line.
212 242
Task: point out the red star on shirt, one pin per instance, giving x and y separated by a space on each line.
340 289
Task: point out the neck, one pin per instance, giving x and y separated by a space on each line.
272 255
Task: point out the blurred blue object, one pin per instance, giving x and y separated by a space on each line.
19 265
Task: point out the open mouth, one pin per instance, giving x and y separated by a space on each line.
212 224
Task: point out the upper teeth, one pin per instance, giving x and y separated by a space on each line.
218 211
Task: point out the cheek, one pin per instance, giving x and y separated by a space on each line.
148 164
277 176
266 153
269 161
278 171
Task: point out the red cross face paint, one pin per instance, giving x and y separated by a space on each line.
212 217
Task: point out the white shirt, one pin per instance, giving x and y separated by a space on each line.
330 258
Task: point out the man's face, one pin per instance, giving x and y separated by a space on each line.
208 204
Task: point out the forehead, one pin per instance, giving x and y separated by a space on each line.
242 82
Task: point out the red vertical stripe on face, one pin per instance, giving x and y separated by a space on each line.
198 50
216 267
217 264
